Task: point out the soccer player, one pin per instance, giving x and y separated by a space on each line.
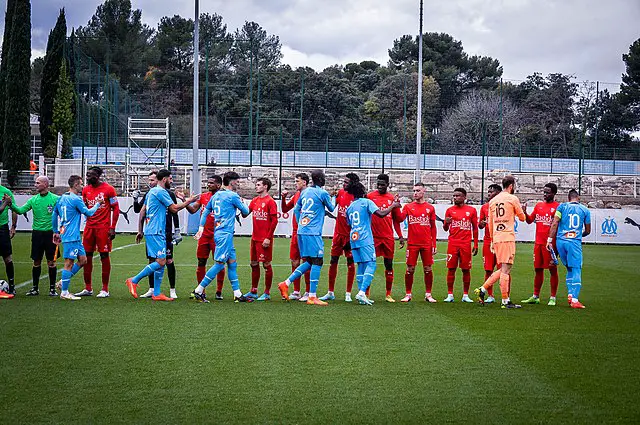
421 241
543 215
460 221
224 205
503 210
65 222
340 243
310 211
302 181
157 202
6 234
42 204
206 244
570 219
362 242
172 218
99 230
265 221
382 228
488 257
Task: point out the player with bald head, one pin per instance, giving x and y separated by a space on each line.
41 205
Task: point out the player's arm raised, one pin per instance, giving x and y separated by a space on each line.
284 205
237 202
517 208
174 208
82 207
20 210
194 207
385 212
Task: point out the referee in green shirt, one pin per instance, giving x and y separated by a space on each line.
42 205
6 234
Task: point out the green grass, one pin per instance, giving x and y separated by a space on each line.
135 361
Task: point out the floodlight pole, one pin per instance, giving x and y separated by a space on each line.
419 115
195 173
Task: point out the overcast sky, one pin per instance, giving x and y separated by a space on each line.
585 38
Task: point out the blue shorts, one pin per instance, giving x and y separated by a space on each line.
156 246
73 250
225 250
311 246
364 254
570 252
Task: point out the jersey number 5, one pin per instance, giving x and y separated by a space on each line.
216 208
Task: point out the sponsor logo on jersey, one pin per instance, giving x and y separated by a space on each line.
355 236
546 219
461 224
304 221
422 220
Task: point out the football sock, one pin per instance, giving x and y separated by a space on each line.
157 280
299 271
577 282
53 273
268 278
233 276
88 271
148 270
35 275
466 281
487 275
360 275
211 274
333 273
428 281
388 280
220 280
315 277
106 273
538 280
504 285
369 272
408 282
296 283
75 269
171 274
495 276
200 272
66 279
10 275
553 281
151 261
351 274
255 277
451 279
237 293
569 281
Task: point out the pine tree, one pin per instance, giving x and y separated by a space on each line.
16 114
50 77
63 120
8 22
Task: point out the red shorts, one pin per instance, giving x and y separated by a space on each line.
206 246
96 240
488 257
542 257
385 248
425 253
459 255
340 244
294 249
260 253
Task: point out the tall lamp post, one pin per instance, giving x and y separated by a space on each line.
419 117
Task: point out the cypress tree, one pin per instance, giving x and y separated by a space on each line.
8 22
63 120
16 116
50 77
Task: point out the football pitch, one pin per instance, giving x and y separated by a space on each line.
121 360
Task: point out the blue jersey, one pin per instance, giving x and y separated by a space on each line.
67 215
224 204
359 219
310 210
573 216
157 201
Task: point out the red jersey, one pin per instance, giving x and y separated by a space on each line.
422 223
265 217
484 215
464 225
382 227
209 225
543 214
106 195
343 200
288 206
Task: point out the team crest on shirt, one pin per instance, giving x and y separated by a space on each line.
304 221
263 204
468 213
50 209
355 236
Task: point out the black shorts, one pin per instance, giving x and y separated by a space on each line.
170 248
42 244
5 241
